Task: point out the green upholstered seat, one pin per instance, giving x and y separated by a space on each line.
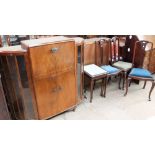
123 65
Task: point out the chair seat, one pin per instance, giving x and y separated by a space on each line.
139 72
110 69
123 65
93 70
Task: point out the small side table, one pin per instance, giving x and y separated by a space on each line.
94 72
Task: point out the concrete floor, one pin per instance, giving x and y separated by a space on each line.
135 106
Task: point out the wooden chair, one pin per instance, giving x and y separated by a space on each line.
118 59
103 50
93 72
139 73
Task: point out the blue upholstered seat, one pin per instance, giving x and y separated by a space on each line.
110 69
140 73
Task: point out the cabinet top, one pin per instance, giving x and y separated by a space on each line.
43 41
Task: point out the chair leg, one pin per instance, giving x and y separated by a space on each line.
130 83
108 79
102 84
127 85
94 85
124 79
91 89
105 86
153 85
144 85
120 78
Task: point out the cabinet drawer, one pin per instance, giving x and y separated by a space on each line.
55 94
52 58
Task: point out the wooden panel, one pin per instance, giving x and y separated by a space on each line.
55 94
45 62
89 52
152 61
98 54
4 113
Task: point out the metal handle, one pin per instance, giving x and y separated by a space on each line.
54 49
57 89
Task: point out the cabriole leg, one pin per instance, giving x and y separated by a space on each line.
153 84
144 84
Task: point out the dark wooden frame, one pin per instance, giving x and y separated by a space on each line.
130 77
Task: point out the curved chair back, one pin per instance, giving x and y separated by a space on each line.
139 52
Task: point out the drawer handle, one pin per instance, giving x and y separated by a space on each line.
54 50
57 89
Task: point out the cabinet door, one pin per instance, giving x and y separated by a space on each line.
52 58
55 94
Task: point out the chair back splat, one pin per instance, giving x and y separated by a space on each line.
129 47
139 52
103 49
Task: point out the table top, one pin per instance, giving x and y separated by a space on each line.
93 70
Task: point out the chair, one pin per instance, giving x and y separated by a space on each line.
140 73
93 72
118 59
103 49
